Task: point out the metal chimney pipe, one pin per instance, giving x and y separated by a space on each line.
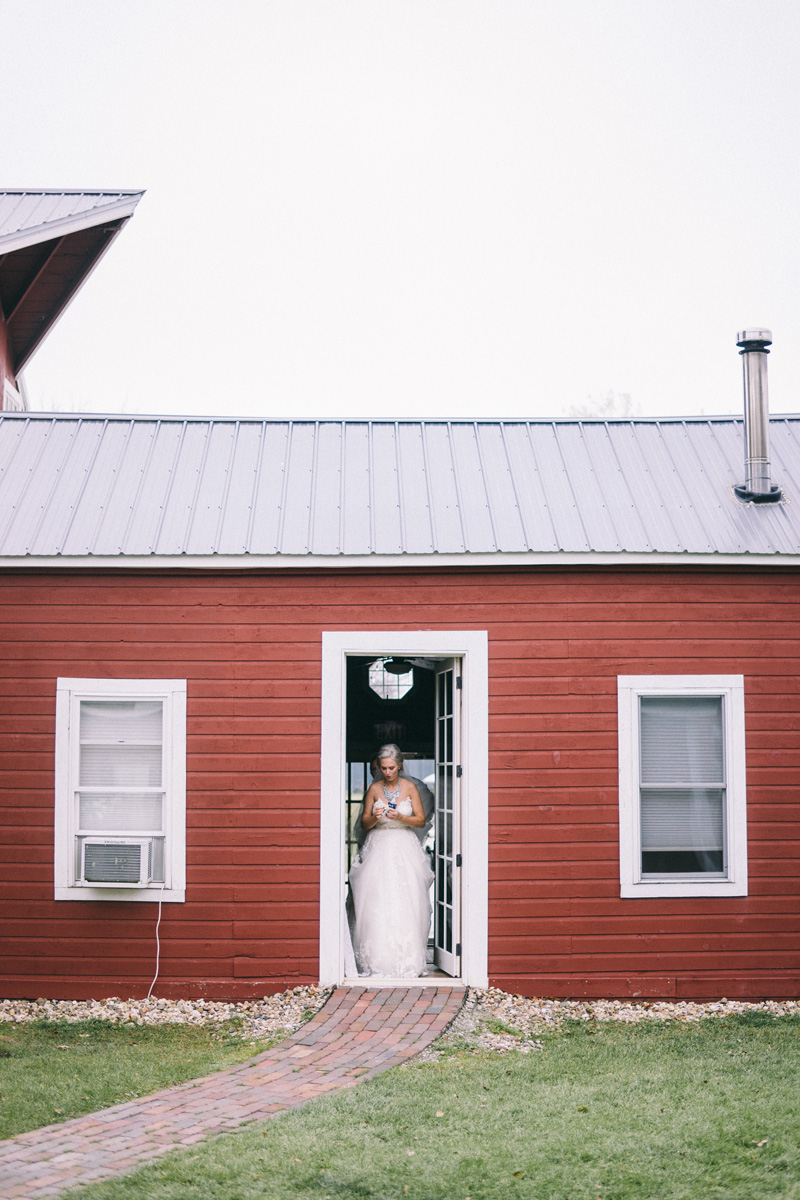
757 486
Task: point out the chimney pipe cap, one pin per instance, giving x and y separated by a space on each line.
754 339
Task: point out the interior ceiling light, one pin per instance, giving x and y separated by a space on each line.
397 666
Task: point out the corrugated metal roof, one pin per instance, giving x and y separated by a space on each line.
117 488
30 215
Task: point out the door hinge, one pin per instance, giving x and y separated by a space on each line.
458 770
458 949
458 860
458 683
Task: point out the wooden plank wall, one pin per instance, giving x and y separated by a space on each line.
250 648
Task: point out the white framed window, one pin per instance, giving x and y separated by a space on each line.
682 793
120 789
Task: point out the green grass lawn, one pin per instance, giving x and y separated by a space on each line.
646 1112
50 1071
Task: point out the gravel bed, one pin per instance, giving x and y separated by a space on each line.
286 1011
529 1017
282 1013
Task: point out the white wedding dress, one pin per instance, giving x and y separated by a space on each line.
390 883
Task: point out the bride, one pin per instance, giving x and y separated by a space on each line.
390 879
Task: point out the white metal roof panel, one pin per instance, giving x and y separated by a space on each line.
99 476
536 517
131 441
386 536
652 508
574 441
414 489
237 509
477 527
28 216
442 485
501 496
358 482
154 486
266 515
664 462
326 506
211 492
157 489
559 487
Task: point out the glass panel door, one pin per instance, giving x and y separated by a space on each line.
447 888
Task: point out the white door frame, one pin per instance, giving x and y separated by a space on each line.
472 647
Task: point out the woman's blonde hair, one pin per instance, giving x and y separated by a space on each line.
391 751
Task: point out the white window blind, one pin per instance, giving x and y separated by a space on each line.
681 740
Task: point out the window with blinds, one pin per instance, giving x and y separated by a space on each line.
120 820
682 793
682 785
120 772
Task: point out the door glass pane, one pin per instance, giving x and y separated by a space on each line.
449 910
441 798
358 780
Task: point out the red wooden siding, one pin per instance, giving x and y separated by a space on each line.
250 648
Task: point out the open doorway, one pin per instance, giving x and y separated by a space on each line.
413 702
438 713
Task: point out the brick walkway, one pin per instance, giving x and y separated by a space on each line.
358 1033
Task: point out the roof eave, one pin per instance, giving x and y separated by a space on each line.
121 208
315 562
51 320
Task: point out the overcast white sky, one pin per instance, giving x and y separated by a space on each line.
393 208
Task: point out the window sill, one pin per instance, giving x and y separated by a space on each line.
682 887
168 895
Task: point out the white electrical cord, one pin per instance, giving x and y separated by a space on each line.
158 943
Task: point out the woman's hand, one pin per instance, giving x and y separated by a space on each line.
374 808
416 818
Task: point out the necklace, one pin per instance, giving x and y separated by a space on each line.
392 796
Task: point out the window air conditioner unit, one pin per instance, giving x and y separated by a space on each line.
117 862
